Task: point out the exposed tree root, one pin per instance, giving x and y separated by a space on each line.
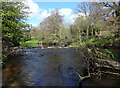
96 65
113 73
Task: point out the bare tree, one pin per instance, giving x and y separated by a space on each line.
52 24
83 8
112 15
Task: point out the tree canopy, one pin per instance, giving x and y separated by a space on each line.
13 21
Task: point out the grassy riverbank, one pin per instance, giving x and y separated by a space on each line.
32 43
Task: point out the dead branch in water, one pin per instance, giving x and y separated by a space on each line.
82 78
88 70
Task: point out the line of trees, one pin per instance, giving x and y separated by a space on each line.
100 20
100 25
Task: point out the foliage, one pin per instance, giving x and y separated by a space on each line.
13 21
109 54
74 44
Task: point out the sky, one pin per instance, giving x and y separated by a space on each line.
41 10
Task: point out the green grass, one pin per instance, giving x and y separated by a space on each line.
31 43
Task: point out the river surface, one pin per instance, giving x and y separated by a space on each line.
51 67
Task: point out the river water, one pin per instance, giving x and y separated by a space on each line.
51 67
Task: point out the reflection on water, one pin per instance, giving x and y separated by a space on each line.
48 67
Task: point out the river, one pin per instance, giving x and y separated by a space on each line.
51 67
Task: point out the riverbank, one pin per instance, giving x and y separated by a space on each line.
100 62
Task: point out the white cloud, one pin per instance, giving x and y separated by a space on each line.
65 12
82 14
44 14
72 17
34 8
40 14
33 24
51 9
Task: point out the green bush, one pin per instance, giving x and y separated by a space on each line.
74 44
109 54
